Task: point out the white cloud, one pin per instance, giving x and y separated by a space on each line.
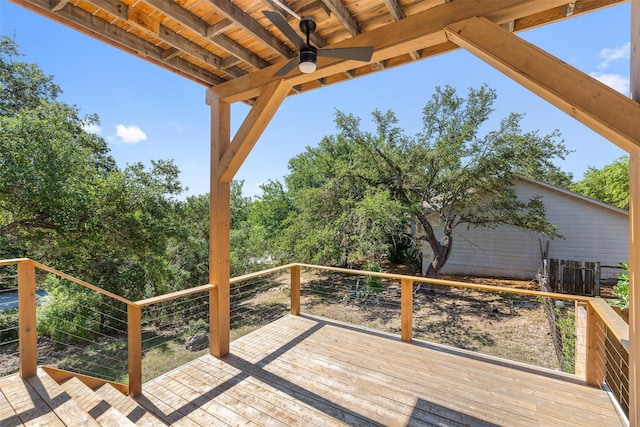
610 55
615 81
92 128
130 134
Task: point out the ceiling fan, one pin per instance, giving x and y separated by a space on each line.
308 55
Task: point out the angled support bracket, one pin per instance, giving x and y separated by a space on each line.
611 114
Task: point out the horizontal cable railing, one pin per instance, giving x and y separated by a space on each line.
174 331
583 335
258 299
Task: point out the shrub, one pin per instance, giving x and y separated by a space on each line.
621 289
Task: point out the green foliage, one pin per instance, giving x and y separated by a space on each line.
356 192
566 326
621 289
374 283
8 325
609 184
68 315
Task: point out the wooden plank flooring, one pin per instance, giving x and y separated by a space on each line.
308 371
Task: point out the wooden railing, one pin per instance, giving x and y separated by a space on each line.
605 335
27 337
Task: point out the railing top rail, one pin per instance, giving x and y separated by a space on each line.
81 283
451 283
173 295
260 273
5 262
616 325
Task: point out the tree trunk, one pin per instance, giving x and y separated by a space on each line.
441 249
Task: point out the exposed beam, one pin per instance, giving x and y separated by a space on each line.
235 14
87 23
418 32
219 28
601 108
219 226
174 39
398 14
343 15
197 25
254 124
316 39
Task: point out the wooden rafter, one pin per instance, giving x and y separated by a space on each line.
254 124
422 31
197 25
110 34
343 15
601 108
398 14
235 14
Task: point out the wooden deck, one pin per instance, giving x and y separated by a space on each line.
309 371
306 371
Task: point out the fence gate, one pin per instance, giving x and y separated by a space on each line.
574 277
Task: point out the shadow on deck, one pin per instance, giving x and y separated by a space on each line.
303 370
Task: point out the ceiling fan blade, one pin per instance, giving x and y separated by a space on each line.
353 53
285 28
293 63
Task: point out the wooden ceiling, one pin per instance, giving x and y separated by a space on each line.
231 45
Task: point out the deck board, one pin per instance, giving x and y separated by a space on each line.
302 370
309 371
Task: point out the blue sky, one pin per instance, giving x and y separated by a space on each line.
149 113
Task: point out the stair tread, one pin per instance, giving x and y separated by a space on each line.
95 405
62 404
128 407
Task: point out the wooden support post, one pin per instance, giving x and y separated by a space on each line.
27 319
634 232
594 370
581 340
134 340
295 290
406 310
219 237
634 288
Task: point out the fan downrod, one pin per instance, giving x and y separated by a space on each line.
307 26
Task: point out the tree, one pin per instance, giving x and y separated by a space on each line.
609 184
337 218
450 175
63 200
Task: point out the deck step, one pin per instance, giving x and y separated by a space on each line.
95 405
128 407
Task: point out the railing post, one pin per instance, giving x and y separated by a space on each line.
594 370
295 290
27 337
134 334
581 339
406 310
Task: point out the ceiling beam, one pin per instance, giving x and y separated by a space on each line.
87 23
168 36
198 26
343 15
595 104
414 33
254 124
398 14
235 14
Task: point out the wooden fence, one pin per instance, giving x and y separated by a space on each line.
574 277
